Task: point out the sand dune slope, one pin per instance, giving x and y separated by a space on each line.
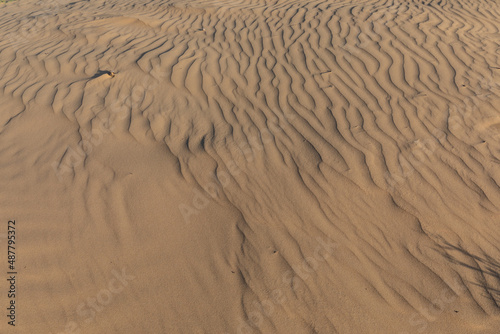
252 166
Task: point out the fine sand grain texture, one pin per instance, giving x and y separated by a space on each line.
251 166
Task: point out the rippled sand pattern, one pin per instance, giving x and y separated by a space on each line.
256 166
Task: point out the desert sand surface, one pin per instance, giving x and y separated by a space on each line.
250 166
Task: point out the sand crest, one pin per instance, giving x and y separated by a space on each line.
251 166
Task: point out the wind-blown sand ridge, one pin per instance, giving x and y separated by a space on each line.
252 166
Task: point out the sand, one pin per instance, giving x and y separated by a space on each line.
251 166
